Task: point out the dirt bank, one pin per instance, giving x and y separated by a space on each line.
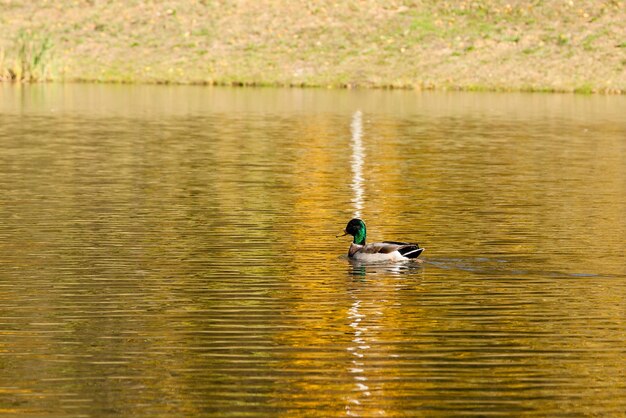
557 45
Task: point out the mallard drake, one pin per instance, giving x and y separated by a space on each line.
378 251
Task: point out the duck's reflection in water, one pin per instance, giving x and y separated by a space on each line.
359 269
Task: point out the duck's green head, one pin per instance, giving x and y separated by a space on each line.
356 228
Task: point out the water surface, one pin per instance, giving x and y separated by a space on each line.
171 251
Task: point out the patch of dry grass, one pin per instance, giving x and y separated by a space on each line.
561 45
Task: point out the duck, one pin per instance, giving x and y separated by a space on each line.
377 251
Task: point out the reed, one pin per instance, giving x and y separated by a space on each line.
28 60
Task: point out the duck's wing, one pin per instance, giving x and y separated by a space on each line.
405 249
376 248
401 243
408 250
383 247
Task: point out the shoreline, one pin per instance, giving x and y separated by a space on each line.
584 90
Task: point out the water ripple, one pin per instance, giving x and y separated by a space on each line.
184 264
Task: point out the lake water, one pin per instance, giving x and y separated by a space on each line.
170 251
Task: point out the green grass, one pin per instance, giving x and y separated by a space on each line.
589 40
584 88
562 40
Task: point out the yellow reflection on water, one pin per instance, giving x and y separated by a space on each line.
173 250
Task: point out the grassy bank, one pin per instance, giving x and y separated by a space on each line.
535 45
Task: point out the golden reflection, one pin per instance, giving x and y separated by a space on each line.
181 256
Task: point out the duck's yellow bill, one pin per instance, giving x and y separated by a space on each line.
342 235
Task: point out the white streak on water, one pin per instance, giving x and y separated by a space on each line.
357 366
358 156
360 346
